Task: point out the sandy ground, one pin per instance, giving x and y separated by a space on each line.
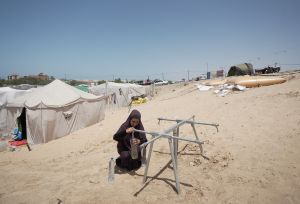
254 158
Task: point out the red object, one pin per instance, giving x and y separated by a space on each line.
18 143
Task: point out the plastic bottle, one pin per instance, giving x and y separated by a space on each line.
134 148
111 170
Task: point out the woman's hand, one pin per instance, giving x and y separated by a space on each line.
136 141
129 130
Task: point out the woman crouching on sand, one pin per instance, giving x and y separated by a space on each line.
123 137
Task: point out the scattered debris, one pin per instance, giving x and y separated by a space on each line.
239 88
202 87
223 89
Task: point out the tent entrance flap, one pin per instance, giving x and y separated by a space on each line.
21 121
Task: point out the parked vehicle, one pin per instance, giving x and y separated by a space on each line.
267 70
160 82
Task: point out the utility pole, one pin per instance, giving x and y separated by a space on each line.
207 74
188 72
206 67
224 71
163 77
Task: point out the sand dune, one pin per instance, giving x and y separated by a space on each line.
254 158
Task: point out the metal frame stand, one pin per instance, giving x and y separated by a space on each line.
173 143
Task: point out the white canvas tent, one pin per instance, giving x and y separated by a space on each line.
7 94
56 110
119 93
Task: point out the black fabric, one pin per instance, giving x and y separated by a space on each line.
21 120
126 162
123 139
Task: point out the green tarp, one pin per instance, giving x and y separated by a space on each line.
83 87
241 69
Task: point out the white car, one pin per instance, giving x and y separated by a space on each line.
160 82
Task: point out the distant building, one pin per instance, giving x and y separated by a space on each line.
40 76
43 76
220 73
13 77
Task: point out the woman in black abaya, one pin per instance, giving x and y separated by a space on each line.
123 137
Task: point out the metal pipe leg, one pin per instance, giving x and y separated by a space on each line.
144 156
175 145
171 144
148 162
200 145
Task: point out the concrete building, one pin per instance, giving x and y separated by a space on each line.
13 77
40 76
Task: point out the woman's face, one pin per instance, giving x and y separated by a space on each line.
134 122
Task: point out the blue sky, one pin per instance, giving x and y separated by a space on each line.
134 39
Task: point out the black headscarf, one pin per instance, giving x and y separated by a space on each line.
124 138
134 114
